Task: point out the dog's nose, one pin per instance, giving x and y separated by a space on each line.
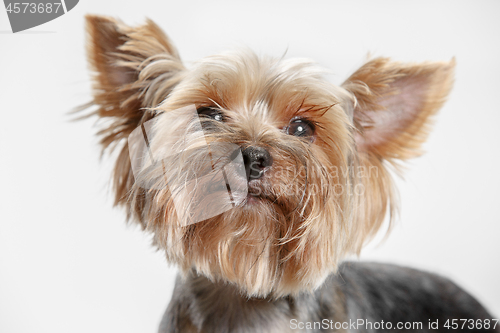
256 160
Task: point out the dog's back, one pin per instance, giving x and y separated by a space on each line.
407 299
361 297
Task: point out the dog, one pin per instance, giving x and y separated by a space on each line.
257 178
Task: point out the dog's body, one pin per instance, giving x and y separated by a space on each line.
257 177
362 297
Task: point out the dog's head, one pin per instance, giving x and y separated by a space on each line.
272 174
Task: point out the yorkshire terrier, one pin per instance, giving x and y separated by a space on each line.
257 177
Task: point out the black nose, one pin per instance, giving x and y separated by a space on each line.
256 159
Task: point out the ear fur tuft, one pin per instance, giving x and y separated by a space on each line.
135 68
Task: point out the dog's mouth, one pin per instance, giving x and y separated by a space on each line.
254 198
258 193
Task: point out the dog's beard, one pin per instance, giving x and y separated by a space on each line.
249 245
269 238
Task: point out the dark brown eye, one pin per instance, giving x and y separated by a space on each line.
210 112
301 127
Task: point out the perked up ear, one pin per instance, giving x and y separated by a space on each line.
134 68
394 104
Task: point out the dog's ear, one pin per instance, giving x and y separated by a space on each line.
394 104
393 107
134 68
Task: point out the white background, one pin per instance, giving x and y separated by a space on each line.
69 263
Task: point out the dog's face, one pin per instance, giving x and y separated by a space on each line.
308 182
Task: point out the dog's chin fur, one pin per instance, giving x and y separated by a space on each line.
323 197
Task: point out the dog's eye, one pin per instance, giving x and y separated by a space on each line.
301 128
212 113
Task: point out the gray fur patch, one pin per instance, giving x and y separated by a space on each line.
369 291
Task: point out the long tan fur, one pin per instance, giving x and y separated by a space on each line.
321 200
